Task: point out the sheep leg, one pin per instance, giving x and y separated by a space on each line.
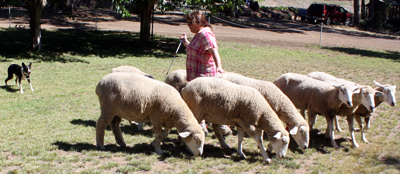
240 140
258 137
312 118
350 120
219 136
117 131
358 118
165 134
359 121
367 122
337 127
329 120
156 143
303 112
103 121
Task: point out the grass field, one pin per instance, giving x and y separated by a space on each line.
52 130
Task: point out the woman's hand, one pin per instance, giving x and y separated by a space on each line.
184 39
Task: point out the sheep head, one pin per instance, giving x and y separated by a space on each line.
194 141
301 135
388 92
280 143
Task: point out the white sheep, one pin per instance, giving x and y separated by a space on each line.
279 102
135 97
315 96
177 79
333 80
222 102
386 93
365 97
131 69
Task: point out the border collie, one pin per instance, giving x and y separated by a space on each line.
22 72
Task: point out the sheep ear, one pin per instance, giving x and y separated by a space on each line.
294 130
335 85
356 90
184 134
278 135
378 84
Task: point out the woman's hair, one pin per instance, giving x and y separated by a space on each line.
197 17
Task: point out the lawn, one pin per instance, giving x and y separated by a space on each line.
52 129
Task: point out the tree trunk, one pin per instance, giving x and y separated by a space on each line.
372 11
35 8
363 14
145 21
356 12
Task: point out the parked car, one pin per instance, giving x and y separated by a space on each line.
328 13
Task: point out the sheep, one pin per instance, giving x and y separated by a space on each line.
315 96
222 102
131 69
365 97
177 79
331 79
135 97
386 93
279 102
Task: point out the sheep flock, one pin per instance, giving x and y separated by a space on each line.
247 105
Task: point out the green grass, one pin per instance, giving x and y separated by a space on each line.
52 130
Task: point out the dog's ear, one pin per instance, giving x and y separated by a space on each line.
30 65
23 64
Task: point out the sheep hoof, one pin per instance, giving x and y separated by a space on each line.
225 146
242 155
355 146
268 160
365 141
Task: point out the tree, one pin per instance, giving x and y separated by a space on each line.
356 12
35 8
144 10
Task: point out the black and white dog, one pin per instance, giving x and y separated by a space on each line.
23 72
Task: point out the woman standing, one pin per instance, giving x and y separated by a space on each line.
203 58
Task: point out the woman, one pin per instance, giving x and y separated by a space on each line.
203 59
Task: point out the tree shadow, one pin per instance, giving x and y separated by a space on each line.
66 45
392 55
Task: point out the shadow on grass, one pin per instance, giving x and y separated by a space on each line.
169 146
126 129
66 45
319 142
395 56
9 89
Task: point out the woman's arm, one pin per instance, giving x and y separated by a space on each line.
214 52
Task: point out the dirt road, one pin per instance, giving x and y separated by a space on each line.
286 33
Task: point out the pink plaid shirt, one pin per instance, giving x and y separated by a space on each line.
199 61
